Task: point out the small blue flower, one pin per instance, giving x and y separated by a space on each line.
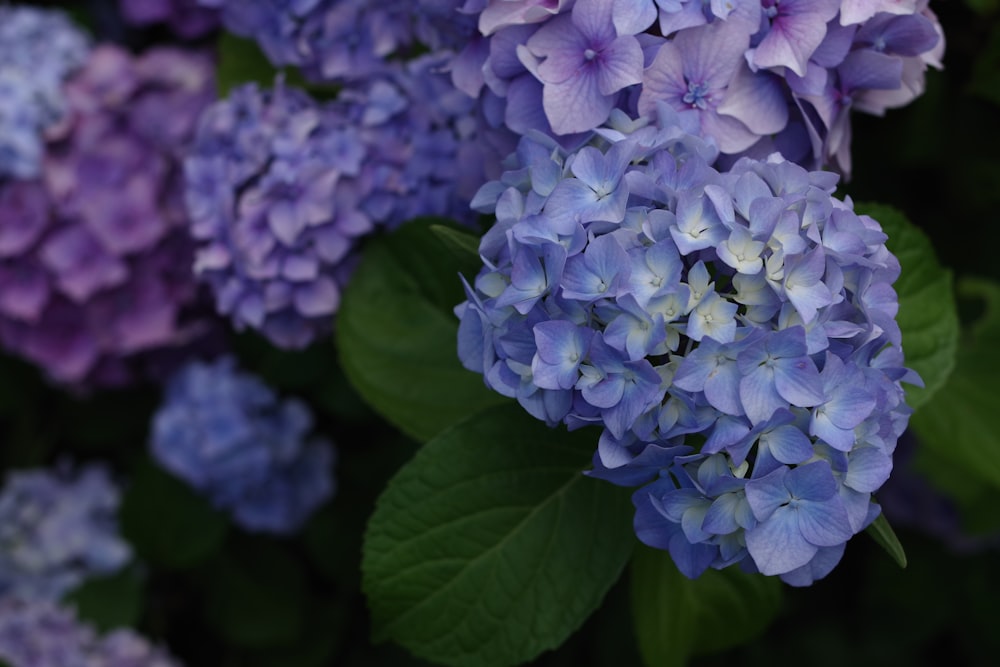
231 438
58 528
798 511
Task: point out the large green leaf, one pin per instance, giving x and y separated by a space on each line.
960 423
491 546
676 617
397 333
927 316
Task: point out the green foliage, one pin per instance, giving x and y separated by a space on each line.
257 596
882 533
464 245
167 522
676 617
110 602
927 316
960 423
397 333
241 61
491 546
985 82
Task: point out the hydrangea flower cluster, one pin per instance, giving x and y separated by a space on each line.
758 75
280 188
40 634
346 39
229 436
58 528
38 50
732 333
95 283
187 18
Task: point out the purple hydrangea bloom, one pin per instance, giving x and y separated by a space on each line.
732 333
583 62
95 285
760 76
337 40
187 18
280 188
38 50
229 436
58 528
40 634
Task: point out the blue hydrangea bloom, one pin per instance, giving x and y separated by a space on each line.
280 188
40 634
732 333
230 437
38 50
58 528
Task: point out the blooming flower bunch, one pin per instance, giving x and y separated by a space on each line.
58 528
229 436
280 188
759 75
40 634
345 39
187 18
95 284
732 333
38 50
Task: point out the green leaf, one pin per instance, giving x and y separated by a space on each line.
241 61
110 602
960 423
927 316
676 617
491 546
396 332
882 533
167 522
257 596
459 241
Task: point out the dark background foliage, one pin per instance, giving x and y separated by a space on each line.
220 597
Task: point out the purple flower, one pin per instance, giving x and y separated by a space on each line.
346 40
94 255
759 76
40 634
58 528
230 437
280 189
793 31
702 71
584 62
731 332
185 17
